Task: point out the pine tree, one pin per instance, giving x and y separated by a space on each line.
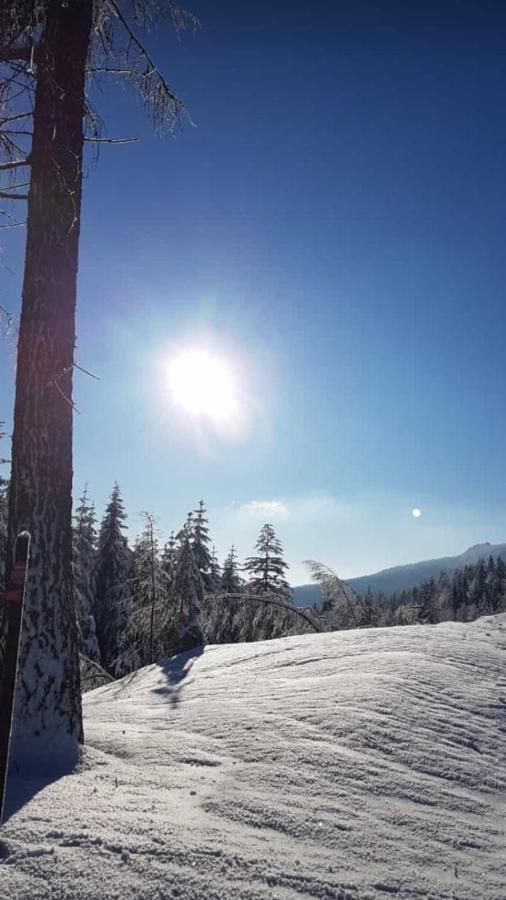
215 571
84 542
368 609
498 597
222 616
267 568
188 594
231 581
111 580
200 546
458 594
148 600
490 583
428 611
169 560
169 555
444 594
477 595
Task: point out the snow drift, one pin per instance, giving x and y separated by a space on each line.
355 765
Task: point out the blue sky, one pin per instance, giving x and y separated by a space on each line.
333 227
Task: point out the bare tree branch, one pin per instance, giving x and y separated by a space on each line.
15 164
5 195
333 586
270 600
13 53
99 70
97 140
6 119
159 96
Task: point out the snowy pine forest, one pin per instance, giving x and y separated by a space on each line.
141 603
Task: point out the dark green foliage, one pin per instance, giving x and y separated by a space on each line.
111 584
149 611
471 591
84 545
200 545
231 581
267 569
188 595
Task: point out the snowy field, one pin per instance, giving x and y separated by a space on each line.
354 765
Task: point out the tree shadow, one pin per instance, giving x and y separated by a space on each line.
22 787
176 670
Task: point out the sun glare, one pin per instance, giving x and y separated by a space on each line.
204 385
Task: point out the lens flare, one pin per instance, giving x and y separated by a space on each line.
204 385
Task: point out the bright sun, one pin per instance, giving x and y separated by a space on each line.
204 385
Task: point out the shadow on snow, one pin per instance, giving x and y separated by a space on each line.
176 670
21 787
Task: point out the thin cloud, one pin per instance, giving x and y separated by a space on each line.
356 534
273 508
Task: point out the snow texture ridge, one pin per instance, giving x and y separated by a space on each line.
353 765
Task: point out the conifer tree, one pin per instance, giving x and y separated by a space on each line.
168 562
368 610
148 594
200 546
188 594
498 597
267 569
215 570
427 598
231 581
111 580
444 593
477 595
490 583
458 598
84 541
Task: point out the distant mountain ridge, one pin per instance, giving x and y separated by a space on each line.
399 578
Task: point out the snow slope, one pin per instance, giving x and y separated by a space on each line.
357 765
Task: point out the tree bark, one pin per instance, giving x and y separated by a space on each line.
48 717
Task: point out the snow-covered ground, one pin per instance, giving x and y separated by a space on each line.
353 765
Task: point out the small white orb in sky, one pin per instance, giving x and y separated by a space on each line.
203 384
416 513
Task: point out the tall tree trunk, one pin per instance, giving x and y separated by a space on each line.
48 704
